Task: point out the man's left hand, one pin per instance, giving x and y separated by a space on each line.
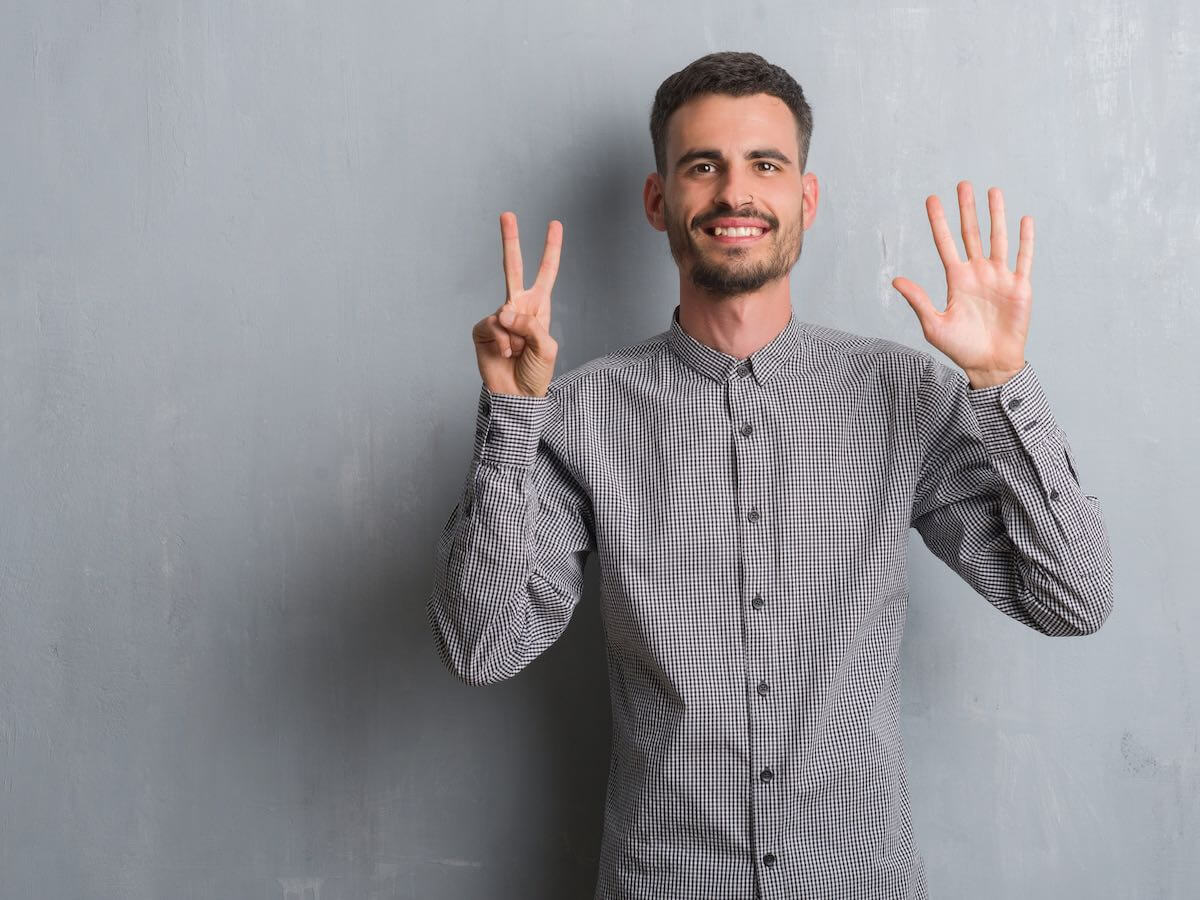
986 319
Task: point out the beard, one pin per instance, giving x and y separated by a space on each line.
725 271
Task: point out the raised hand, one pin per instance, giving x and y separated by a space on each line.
513 345
986 320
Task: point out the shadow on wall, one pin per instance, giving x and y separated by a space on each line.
391 778
617 282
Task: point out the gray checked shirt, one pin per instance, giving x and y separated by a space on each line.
751 518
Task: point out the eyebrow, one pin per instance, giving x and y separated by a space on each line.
764 153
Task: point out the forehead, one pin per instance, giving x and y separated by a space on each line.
724 122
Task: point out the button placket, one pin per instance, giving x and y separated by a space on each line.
750 472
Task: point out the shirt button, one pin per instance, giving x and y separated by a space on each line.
746 429
1054 493
765 775
758 601
753 517
1014 402
769 859
763 687
743 370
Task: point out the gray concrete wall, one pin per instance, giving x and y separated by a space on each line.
241 249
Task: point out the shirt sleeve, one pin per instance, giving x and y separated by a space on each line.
998 499
508 568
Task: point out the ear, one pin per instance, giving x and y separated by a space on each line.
812 192
652 199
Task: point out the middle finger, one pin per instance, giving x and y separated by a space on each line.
969 219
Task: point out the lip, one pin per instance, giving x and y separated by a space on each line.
727 239
736 222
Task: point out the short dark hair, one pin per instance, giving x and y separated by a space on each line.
733 73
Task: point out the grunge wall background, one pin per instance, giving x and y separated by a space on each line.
241 250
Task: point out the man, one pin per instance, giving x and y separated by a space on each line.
748 480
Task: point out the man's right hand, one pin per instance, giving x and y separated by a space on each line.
513 345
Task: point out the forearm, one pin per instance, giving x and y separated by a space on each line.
1057 530
508 566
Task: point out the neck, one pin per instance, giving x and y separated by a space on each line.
737 325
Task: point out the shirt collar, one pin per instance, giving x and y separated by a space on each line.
719 366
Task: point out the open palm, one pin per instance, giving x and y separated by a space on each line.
986 320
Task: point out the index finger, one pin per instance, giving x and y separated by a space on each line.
942 239
513 276
550 255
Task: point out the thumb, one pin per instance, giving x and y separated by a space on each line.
531 328
918 300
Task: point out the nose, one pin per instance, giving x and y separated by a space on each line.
733 189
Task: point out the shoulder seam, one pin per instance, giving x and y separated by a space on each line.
870 345
614 360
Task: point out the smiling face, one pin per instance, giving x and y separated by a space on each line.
733 200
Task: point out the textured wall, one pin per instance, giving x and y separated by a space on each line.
241 249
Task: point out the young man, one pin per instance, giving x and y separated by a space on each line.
749 480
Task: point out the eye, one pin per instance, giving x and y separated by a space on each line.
763 162
698 165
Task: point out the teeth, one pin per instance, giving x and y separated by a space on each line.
745 231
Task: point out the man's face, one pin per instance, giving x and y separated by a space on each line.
729 159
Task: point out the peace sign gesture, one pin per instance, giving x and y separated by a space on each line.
513 345
986 319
